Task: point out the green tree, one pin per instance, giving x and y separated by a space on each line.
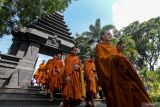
151 81
84 44
15 13
150 41
147 38
130 48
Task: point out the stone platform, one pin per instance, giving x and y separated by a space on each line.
33 97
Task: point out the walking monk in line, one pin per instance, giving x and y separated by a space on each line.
55 68
89 71
121 85
39 74
72 90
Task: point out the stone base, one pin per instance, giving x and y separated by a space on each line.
27 103
39 103
33 97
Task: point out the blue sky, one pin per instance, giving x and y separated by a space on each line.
82 13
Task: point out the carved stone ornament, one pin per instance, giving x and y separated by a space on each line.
52 41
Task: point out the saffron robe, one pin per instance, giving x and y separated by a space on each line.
120 82
55 67
89 72
73 88
40 73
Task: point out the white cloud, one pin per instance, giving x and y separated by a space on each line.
127 11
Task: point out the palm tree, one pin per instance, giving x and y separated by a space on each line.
95 31
84 44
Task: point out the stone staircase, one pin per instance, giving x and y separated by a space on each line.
8 64
33 97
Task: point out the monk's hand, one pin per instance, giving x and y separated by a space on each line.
76 67
94 69
90 79
67 78
47 71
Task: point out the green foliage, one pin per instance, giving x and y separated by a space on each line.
130 49
147 38
4 15
84 44
29 10
115 41
94 31
151 80
22 12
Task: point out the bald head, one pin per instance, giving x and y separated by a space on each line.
74 50
59 56
106 36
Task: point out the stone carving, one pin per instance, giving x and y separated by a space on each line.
52 41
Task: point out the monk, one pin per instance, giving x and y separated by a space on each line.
72 90
49 65
89 70
39 73
55 68
121 85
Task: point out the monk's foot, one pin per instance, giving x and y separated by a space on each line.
51 99
45 93
88 105
93 106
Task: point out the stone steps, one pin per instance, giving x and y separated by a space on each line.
40 103
33 97
27 103
19 93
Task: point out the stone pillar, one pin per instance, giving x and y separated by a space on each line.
25 68
22 50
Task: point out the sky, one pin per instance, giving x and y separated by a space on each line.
81 13
127 11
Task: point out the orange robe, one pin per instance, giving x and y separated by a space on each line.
55 67
120 82
40 73
90 74
73 88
